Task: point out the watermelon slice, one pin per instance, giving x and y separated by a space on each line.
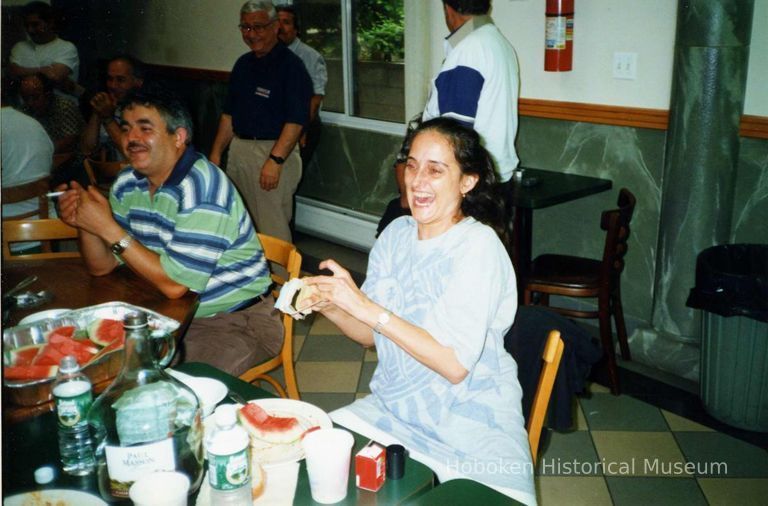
105 331
24 355
60 346
59 332
274 429
29 372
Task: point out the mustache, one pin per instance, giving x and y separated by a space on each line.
134 144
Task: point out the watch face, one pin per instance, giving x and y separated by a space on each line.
117 248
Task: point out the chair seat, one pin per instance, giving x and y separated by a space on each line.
565 271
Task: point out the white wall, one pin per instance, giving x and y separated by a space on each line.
203 34
602 27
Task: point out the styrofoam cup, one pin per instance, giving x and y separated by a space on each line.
328 454
163 488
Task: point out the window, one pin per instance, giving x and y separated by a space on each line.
362 43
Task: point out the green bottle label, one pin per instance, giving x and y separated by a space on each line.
73 410
228 472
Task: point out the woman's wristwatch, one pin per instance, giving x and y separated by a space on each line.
382 320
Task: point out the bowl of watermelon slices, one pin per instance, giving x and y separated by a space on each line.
94 335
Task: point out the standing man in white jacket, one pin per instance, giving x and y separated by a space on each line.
479 83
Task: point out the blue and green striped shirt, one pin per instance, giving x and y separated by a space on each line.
201 229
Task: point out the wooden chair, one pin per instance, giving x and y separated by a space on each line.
102 173
285 254
45 230
34 189
585 277
553 352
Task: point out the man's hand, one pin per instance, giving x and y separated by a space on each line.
104 105
68 203
87 210
270 175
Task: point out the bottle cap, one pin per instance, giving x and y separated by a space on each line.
395 462
135 319
226 416
44 475
69 365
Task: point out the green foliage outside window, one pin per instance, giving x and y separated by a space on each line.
379 28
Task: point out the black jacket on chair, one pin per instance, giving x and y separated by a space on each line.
525 342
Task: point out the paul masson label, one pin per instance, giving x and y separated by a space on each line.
73 400
126 464
228 472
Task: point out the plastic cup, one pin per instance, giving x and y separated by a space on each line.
328 453
165 488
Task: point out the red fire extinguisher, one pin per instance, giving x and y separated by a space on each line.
558 52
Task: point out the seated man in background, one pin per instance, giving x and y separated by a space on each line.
60 117
175 219
45 52
27 152
124 74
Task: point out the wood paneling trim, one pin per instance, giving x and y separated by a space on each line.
593 113
754 126
171 72
658 119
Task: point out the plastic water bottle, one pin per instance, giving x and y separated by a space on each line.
73 397
229 461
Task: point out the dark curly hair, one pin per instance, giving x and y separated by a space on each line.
484 202
168 105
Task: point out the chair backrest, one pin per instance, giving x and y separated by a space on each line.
616 224
102 173
553 352
34 189
286 255
36 230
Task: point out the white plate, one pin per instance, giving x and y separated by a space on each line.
42 315
308 416
59 497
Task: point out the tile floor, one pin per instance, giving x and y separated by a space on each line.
623 450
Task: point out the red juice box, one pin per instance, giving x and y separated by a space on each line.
370 467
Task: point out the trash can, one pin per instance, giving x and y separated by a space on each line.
732 290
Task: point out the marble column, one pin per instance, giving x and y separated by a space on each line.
709 80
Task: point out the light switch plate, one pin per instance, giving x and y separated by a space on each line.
625 65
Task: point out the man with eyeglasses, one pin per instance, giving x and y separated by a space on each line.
266 108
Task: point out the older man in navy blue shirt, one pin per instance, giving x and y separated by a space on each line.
266 108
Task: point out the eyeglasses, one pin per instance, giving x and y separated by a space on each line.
254 28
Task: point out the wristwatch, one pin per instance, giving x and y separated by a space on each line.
121 245
382 320
277 159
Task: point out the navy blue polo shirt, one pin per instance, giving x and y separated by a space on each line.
267 92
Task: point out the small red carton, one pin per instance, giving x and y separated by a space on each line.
370 467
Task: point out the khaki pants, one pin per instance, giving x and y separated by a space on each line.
271 210
234 342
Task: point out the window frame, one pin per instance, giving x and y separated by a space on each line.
346 119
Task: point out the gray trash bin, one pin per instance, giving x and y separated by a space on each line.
732 290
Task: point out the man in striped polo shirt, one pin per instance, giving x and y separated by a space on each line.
177 220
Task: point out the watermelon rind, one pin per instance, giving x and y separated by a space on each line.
24 355
104 331
287 436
